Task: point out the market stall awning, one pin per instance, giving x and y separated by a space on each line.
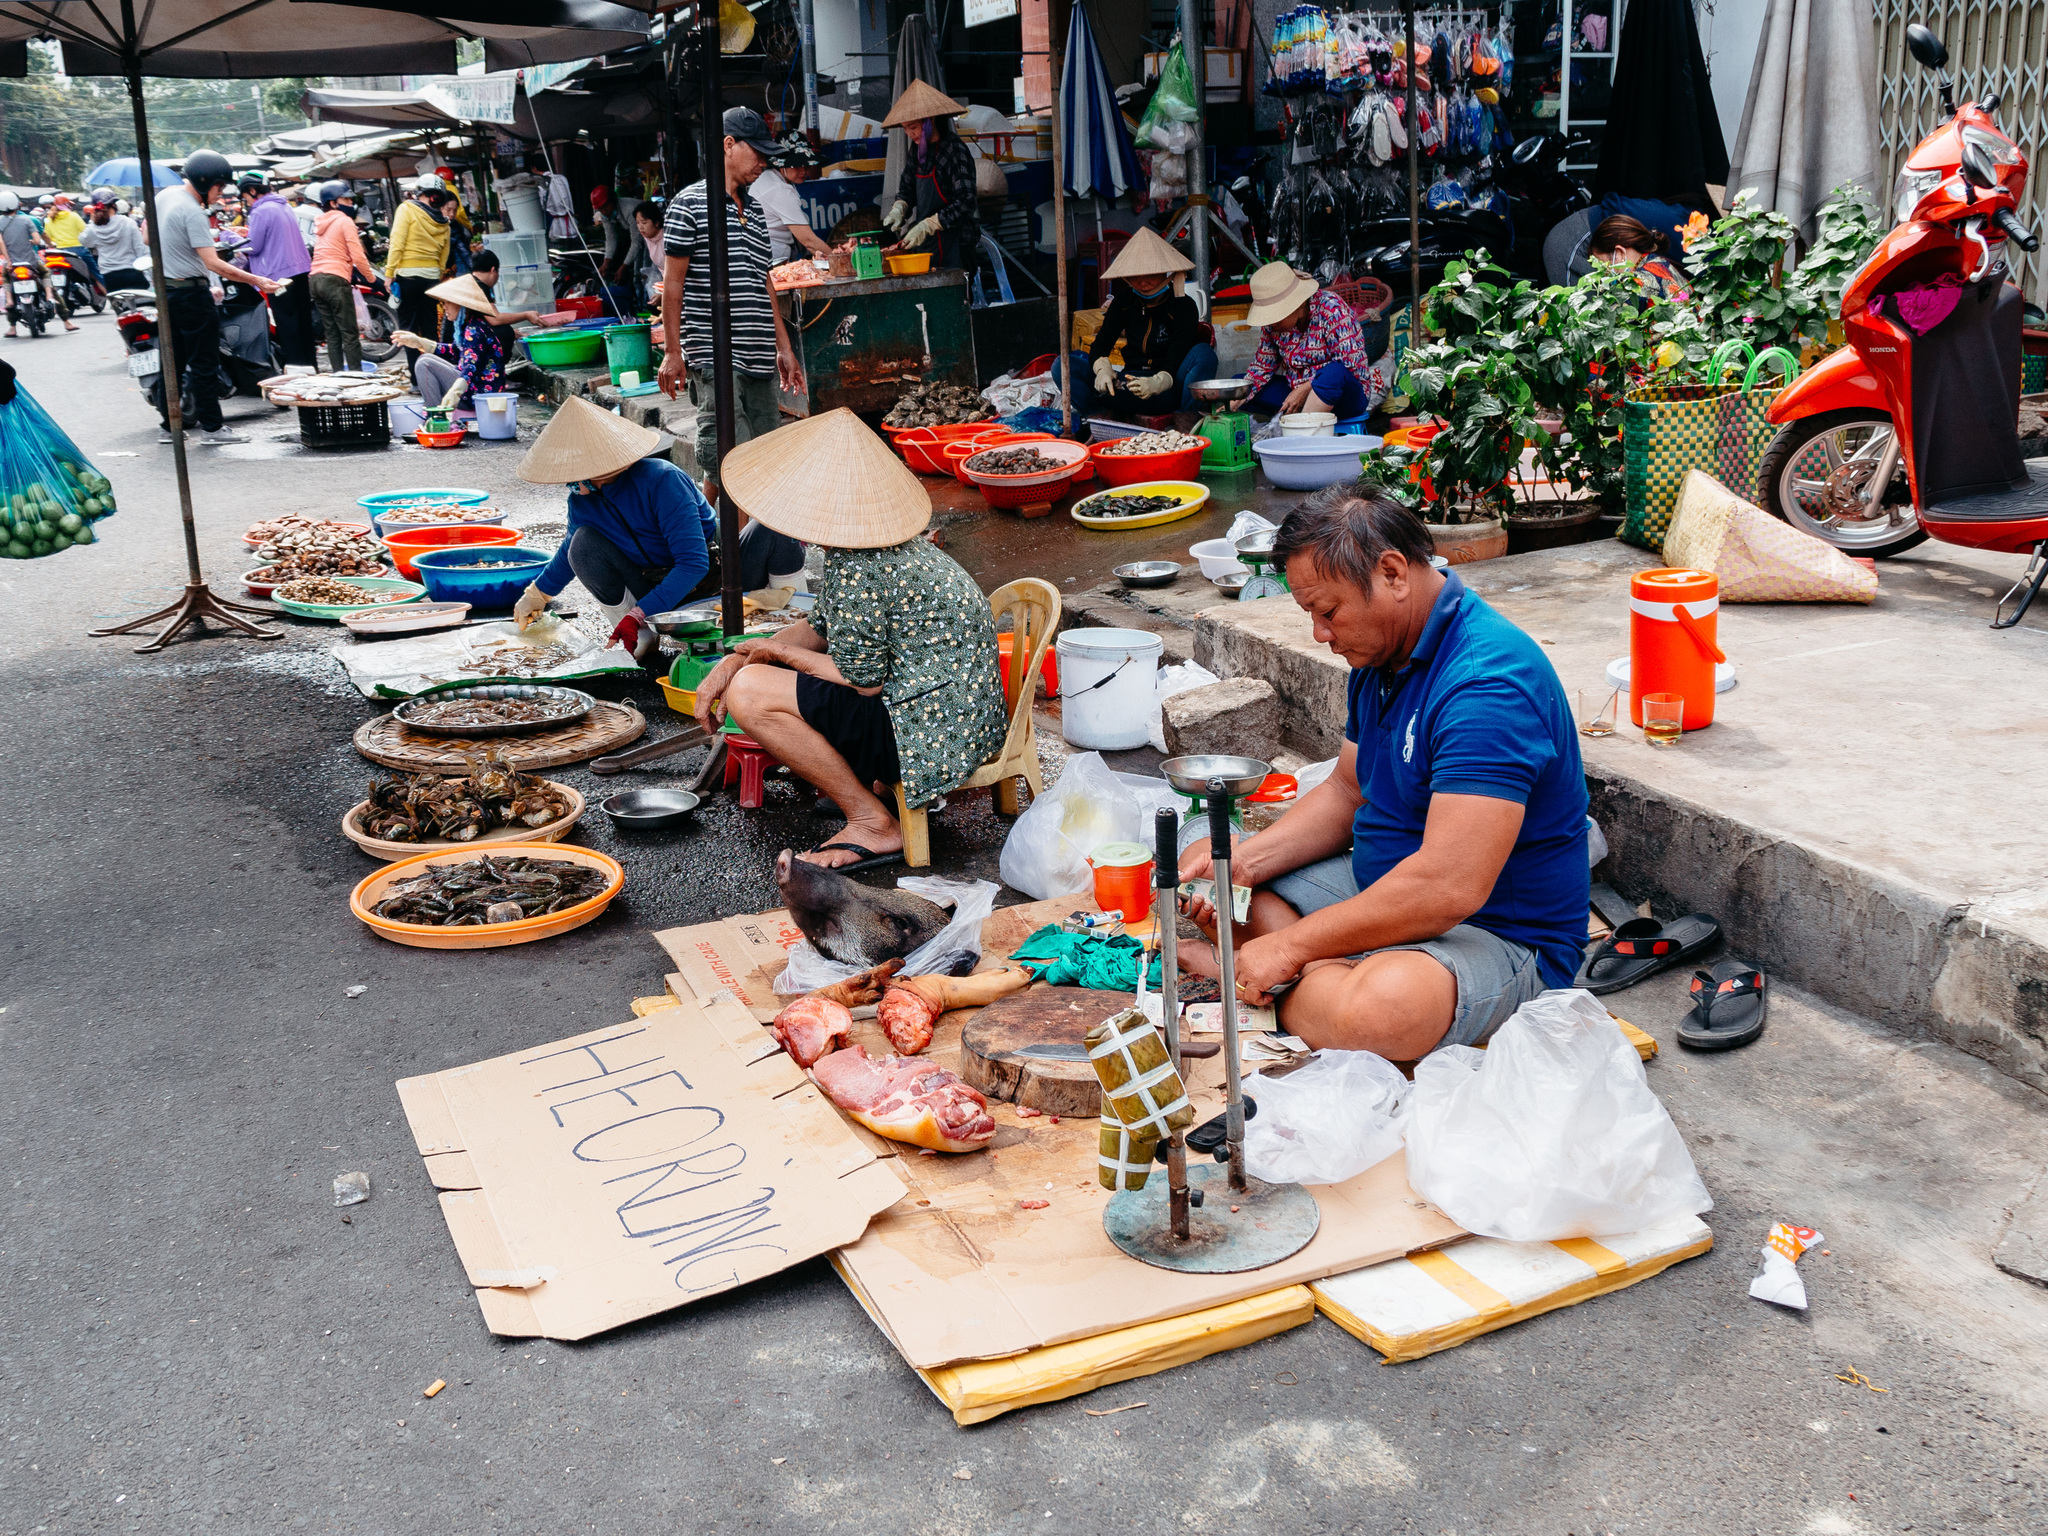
314 138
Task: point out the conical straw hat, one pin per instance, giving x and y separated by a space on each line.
466 291
583 442
828 480
1147 255
920 101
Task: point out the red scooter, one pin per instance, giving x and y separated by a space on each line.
1911 430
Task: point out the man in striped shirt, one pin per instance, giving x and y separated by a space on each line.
761 350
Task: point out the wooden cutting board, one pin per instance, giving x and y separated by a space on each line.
1039 1015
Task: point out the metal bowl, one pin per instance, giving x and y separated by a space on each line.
1259 543
1219 391
1233 584
1191 775
649 810
1148 573
574 704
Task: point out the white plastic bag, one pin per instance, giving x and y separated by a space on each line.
1325 1122
953 951
1046 853
1245 524
1550 1132
1313 775
1168 681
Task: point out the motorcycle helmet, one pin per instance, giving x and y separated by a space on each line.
331 192
122 205
45 201
9 203
61 200
207 169
429 182
105 197
252 184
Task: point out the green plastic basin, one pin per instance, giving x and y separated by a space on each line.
566 350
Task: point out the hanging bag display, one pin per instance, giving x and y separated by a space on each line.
52 495
1722 428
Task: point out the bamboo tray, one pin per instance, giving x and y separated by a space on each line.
606 728
387 850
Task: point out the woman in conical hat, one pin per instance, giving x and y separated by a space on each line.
893 679
473 362
935 199
1161 333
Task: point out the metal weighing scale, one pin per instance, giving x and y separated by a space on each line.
1229 430
1256 551
1214 1219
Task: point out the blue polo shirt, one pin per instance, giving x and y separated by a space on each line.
1478 710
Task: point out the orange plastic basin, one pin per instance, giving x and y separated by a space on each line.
417 541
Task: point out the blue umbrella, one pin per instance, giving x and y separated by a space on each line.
128 173
1098 152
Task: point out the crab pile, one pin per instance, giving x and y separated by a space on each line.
423 807
937 405
491 890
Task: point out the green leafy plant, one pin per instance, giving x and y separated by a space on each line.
1742 288
1846 230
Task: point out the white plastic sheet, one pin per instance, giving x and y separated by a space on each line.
1325 1122
1046 853
953 952
1168 681
1551 1132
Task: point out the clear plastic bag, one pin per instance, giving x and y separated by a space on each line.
1178 678
50 495
953 951
1550 1132
1326 1122
1046 853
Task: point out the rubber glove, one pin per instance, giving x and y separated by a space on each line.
635 634
1149 385
920 232
893 219
454 396
1105 375
531 605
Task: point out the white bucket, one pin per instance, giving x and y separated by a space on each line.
523 211
497 416
1309 424
1106 678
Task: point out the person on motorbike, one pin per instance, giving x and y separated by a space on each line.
338 258
23 242
64 230
190 264
115 245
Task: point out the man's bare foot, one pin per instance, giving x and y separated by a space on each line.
876 837
1198 959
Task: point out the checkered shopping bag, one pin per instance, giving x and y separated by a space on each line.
1721 429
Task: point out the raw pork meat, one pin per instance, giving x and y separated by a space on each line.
811 1027
907 1017
906 1100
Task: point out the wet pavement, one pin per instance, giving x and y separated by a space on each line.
197 1339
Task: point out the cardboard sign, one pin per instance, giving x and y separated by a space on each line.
596 1180
738 955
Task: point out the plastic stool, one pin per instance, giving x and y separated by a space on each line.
748 761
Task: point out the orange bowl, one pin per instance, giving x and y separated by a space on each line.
417 541
919 447
374 888
956 429
451 439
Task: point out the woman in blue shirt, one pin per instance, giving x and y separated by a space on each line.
640 532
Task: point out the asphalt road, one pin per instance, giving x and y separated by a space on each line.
193 1338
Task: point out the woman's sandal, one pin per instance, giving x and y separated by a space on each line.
1728 1007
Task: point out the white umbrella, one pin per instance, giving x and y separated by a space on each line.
1810 121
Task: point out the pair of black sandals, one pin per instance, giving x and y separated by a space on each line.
1728 1003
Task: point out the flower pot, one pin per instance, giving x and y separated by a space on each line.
1463 543
1578 523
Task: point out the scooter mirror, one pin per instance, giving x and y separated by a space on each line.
1989 103
1978 170
1926 47
1529 150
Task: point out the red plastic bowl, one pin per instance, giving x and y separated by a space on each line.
951 454
1131 468
995 440
1045 485
450 439
920 448
417 541
1010 497
583 309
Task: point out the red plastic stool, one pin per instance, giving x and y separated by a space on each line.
748 761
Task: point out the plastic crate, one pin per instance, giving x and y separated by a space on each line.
345 426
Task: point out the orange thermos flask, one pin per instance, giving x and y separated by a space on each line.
1671 641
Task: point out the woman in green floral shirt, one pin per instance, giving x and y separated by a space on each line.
894 676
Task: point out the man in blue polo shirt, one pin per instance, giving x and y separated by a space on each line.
1437 879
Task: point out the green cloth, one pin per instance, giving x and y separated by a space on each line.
910 620
1065 959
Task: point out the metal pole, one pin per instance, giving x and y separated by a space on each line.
1059 251
808 25
173 378
721 316
1414 186
1198 151
1165 883
1218 798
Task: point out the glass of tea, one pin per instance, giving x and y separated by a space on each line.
1663 718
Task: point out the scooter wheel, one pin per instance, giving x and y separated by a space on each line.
1797 470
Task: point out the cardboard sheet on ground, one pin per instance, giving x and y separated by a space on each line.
592 1181
411 664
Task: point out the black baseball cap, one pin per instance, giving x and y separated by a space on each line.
748 126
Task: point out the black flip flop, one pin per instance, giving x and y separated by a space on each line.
1728 1007
868 859
1641 947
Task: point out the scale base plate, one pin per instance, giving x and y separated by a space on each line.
1271 1222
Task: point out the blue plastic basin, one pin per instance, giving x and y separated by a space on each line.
415 495
511 568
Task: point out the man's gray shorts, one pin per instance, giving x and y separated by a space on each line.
1495 976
